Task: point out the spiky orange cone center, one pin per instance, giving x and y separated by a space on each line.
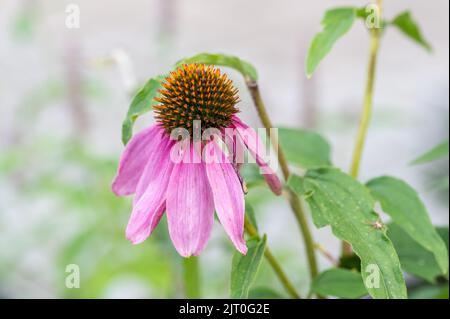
195 92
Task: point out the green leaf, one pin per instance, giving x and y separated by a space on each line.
350 262
305 149
406 24
264 293
244 268
336 23
430 292
340 283
336 199
245 68
437 152
443 232
414 259
142 103
403 204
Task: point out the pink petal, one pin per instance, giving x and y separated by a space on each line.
190 207
134 158
159 156
256 148
228 197
235 146
149 208
143 220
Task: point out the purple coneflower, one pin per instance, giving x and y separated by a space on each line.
181 181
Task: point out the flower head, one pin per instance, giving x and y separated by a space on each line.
189 179
196 92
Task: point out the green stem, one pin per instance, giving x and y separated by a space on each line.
288 286
191 277
294 200
367 106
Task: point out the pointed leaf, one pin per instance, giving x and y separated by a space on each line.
437 152
245 267
414 259
336 199
336 23
246 69
406 24
403 204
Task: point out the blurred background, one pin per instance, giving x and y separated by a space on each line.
64 93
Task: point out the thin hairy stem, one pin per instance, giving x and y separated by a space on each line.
367 106
294 200
288 286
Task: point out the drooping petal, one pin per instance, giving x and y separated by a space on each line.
272 179
134 158
228 196
189 206
149 208
144 219
252 141
152 170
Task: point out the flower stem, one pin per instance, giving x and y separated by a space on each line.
251 230
191 277
375 33
294 200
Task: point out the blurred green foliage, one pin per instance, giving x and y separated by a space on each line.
93 216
